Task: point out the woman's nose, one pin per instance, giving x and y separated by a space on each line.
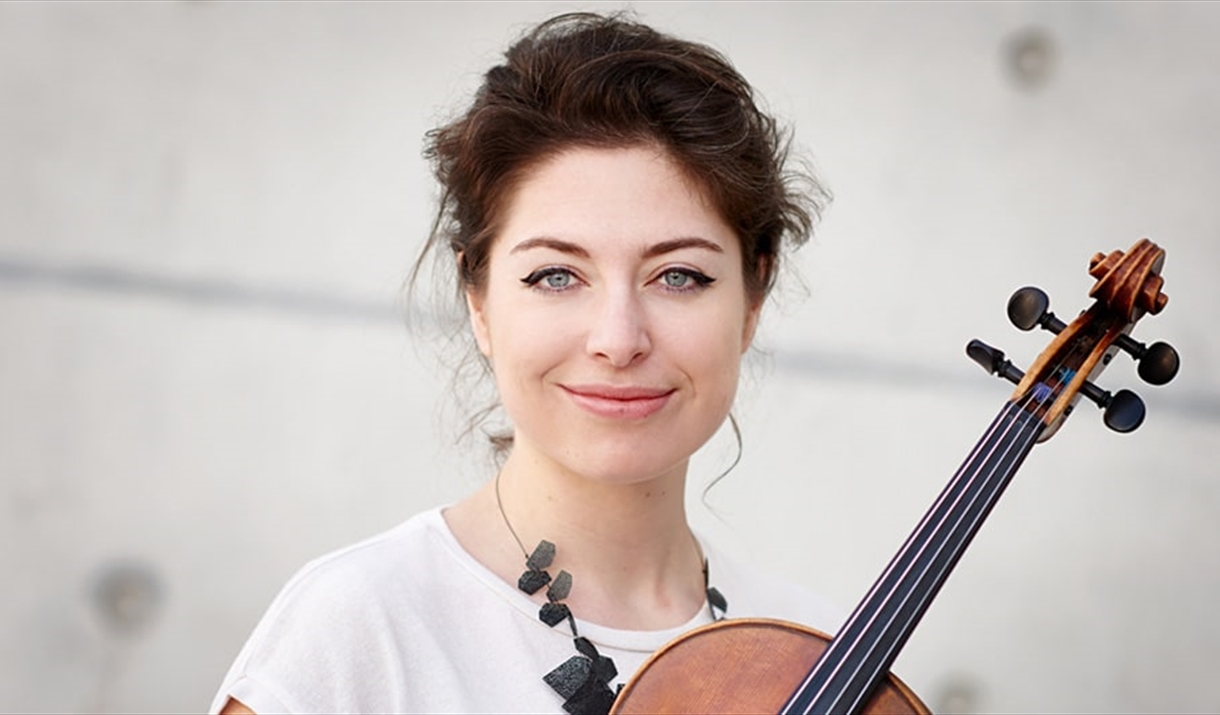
618 332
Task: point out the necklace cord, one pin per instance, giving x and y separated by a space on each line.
504 516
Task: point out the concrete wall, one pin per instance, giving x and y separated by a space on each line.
207 211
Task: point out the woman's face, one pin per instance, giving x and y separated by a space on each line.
614 315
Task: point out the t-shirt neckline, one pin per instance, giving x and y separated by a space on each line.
604 636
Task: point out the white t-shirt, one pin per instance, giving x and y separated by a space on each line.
408 621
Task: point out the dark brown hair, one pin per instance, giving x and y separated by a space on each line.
607 81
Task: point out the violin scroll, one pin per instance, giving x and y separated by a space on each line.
1129 285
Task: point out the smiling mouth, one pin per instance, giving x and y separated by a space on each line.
621 403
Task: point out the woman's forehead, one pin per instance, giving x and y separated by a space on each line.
634 195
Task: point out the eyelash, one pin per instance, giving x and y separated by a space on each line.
699 279
533 279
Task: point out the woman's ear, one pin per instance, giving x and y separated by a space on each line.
478 321
753 312
755 304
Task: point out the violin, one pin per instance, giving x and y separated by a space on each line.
759 665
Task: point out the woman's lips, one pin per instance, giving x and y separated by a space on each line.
614 402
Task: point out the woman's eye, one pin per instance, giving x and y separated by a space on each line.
685 279
553 278
675 279
558 280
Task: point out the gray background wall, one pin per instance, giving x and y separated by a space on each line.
207 211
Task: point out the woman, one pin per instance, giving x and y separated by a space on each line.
617 208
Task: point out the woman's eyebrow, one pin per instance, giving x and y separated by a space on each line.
552 243
677 244
656 249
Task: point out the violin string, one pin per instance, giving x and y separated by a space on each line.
932 513
1011 417
1016 410
937 538
936 541
988 495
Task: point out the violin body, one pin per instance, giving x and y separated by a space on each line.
746 665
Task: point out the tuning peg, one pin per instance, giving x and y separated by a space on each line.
1029 307
1124 410
992 360
1158 362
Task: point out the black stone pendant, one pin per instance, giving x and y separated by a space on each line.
544 554
533 580
569 676
553 613
593 699
717 603
560 588
582 686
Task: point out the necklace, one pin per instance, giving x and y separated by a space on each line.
583 681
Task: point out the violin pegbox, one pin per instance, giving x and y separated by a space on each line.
1129 285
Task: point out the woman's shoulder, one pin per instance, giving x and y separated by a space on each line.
337 621
368 566
393 580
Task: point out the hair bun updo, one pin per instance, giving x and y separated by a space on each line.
589 80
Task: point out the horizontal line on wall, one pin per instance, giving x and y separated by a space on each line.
197 291
815 364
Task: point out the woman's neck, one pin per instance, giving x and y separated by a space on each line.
633 559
